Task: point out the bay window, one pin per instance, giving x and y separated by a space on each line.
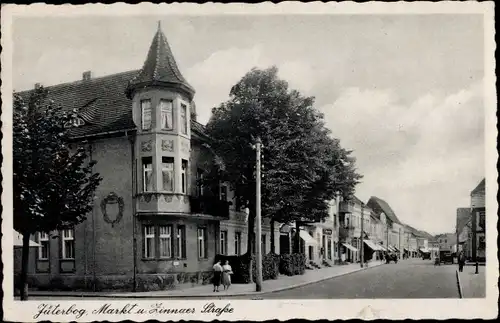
167 116
167 171
147 174
146 114
184 176
184 120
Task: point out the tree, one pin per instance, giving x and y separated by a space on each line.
302 166
53 181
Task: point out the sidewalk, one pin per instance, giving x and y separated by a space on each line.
206 291
473 285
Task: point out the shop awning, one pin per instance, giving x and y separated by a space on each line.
391 248
348 246
396 249
18 240
405 249
372 245
307 238
424 250
285 228
382 248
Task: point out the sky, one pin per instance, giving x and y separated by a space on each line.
404 92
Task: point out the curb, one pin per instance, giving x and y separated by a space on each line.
459 285
117 296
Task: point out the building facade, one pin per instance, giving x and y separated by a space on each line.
478 209
447 242
154 224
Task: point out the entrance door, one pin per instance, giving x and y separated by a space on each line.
311 252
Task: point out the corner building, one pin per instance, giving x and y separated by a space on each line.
153 224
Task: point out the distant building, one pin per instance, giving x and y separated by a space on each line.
464 231
395 229
478 209
447 241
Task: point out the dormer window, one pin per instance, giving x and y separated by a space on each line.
167 116
146 114
75 122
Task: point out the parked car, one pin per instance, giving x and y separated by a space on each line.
426 255
446 257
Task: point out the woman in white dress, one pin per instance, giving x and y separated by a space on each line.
227 271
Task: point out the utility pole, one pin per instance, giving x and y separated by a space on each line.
258 279
362 248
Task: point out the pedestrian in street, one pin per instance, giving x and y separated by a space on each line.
217 275
461 261
227 271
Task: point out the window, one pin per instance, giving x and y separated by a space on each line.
165 237
43 249
167 116
183 119
199 182
147 174
223 242
237 243
202 250
167 172
68 244
181 242
146 114
149 241
445 240
184 176
223 192
263 244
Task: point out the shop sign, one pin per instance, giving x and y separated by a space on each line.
328 232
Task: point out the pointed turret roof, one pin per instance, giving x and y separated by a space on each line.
160 68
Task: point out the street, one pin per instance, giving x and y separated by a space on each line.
413 278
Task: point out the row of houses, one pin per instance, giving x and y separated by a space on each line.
470 233
151 215
338 238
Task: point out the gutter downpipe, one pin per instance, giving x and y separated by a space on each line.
94 276
134 236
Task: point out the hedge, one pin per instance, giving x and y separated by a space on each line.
270 266
292 264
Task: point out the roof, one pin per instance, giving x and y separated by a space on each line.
160 68
480 188
378 205
102 102
463 217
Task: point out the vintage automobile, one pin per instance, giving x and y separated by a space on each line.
391 257
426 255
446 257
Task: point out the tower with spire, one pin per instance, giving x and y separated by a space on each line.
162 100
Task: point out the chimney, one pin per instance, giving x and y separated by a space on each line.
37 86
87 75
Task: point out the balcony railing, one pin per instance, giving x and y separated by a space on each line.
209 205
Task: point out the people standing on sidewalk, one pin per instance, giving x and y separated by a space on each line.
227 271
217 275
461 261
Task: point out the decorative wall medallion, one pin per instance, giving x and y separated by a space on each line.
112 199
147 198
146 145
184 147
167 145
168 198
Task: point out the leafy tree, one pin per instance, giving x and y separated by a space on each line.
53 181
303 166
